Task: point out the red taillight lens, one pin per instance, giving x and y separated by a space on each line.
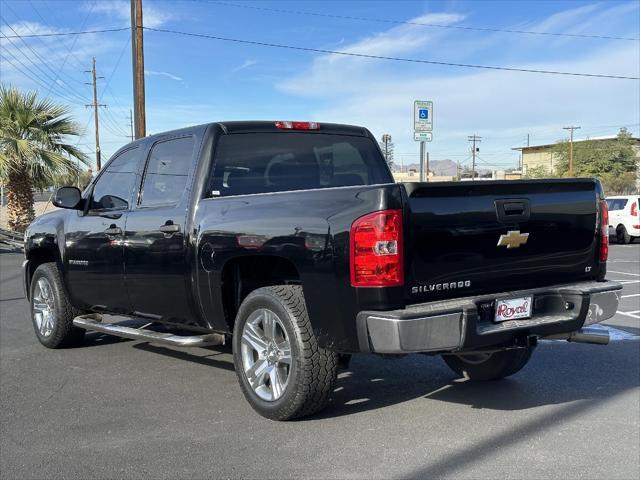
604 231
634 209
298 125
376 250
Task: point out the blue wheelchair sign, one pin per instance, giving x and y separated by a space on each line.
423 113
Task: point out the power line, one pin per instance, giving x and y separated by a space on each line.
34 76
64 86
73 44
79 64
115 68
63 34
401 22
41 41
383 57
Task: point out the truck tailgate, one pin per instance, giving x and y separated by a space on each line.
458 239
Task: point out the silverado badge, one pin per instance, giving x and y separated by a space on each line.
513 239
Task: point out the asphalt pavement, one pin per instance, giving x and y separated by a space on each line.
125 409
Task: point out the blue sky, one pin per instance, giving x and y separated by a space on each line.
195 80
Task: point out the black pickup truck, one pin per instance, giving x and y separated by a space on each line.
292 241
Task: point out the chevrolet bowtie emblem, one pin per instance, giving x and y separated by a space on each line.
513 239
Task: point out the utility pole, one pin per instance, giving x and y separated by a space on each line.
95 106
422 151
131 125
474 139
427 166
571 128
138 68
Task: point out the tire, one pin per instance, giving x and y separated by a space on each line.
51 312
486 367
286 386
622 236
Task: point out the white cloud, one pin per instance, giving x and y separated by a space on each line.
247 63
403 38
152 17
502 106
163 74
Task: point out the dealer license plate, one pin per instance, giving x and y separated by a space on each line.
513 308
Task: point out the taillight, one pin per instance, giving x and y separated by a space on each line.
634 209
298 125
376 254
604 231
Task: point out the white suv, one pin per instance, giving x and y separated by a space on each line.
624 221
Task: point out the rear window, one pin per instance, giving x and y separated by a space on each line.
616 204
277 162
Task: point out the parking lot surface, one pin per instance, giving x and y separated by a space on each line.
118 408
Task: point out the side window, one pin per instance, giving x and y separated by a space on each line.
617 203
167 171
113 189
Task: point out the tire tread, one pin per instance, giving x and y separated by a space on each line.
319 366
65 333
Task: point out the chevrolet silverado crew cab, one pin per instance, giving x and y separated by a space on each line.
292 241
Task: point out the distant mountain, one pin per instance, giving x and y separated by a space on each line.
444 168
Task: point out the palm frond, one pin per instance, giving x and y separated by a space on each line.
36 134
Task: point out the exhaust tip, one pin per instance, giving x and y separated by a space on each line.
595 336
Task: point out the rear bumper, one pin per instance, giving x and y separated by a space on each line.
467 323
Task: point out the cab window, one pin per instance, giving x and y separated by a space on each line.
167 172
112 190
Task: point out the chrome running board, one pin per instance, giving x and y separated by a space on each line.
92 322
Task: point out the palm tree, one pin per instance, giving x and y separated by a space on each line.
33 149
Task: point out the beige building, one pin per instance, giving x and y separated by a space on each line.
537 156
414 176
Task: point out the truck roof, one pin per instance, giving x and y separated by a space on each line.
266 126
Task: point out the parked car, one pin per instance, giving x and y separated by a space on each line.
292 241
624 221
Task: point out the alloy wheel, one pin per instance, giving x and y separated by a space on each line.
266 354
44 312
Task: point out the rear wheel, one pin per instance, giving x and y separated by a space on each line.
283 372
489 366
622 236
51 312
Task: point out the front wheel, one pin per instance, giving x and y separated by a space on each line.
51 312
489 366
283 372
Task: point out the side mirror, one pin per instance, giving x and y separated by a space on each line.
68 197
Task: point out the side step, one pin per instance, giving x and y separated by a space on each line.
92 322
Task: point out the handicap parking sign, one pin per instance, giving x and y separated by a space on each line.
422 116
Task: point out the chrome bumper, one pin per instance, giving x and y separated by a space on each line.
466 323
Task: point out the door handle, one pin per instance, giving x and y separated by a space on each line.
113 230
170 228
